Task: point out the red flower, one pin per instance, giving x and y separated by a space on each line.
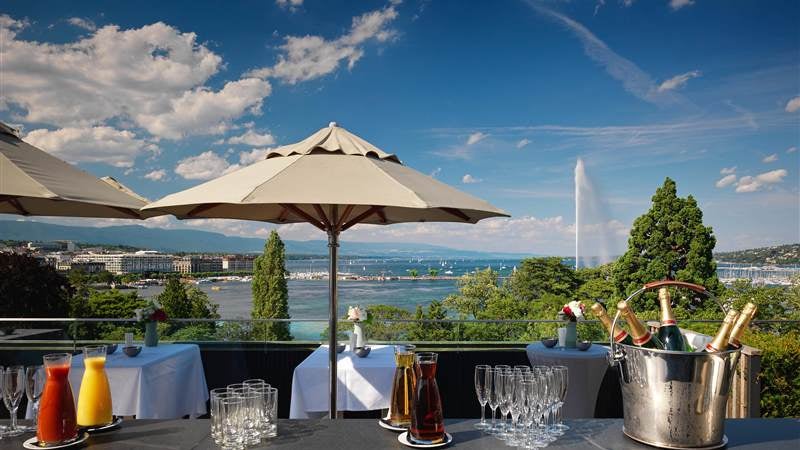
568 311
159 316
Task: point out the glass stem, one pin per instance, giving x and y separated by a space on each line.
13 419
483 414
494 410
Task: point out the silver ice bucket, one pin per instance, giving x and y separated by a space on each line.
673 399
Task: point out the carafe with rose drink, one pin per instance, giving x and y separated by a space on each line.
427 420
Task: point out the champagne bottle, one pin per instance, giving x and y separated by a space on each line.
748 312
641 336
620 336
669 333
720 341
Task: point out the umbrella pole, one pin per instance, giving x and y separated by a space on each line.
333 247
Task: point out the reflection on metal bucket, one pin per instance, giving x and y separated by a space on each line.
675 399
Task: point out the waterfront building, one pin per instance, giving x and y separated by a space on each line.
238 263
139 262
52 246
84 266
197 264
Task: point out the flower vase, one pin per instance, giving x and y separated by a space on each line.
571 338
358 331
151 334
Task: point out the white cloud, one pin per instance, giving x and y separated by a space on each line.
254 155
253 139
727 170
678 81
202 111
101 144
156 175
523 142
793 105
634 80
204 166
152 77
291 5
469 179
771 158
678 4
308 57
474 138
79 22
726 181
791 149
753 184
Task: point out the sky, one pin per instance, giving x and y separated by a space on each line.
499 99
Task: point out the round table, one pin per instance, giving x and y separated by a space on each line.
586 370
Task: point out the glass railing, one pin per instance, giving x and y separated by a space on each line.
315 331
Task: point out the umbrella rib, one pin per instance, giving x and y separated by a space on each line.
347 210
13 201
311 219
127 212
322 216
362 216
456 212
283 214
201 209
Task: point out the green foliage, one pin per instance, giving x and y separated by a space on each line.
30 289
474 291
110 304
433 273
270 293
596 284
414 273
780 372
779 254
174 299
426 331
379 330
668 241
539 276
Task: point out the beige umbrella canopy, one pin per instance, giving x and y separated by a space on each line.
33 182
333 180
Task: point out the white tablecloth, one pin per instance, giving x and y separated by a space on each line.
586 371
365 384
163 382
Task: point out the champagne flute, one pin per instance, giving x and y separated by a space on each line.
563 375
495 392
483 382
517 406
506 379
13 387
34 386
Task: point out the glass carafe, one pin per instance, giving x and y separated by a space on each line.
427 420
94 399
56 424
402 386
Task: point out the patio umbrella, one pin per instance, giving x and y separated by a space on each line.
333 180
33 182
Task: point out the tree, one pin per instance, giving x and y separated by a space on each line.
270 293
30 289
414 273
668 241
428 331
174 299
539 276
474 291
433 273
379 330
596 283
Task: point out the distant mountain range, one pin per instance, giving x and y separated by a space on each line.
184 240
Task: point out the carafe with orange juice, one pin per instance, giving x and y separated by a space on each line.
56 424
94 399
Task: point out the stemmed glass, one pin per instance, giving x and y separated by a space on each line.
563 382
34 386
517 406
495 391
506 379
13 387
483 385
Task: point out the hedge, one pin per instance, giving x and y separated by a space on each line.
780 372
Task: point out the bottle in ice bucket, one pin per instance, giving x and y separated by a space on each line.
748 312
56 425
720 341
641 336
668 332
620 335
427 420
94 398
402 386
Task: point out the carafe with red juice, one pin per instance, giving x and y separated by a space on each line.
57 424
427 420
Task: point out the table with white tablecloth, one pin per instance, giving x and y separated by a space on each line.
586 371
365 384
162 382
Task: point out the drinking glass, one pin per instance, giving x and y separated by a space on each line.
494 389
523 368
231 422
551 399
534 394
563 375
483 382
214 395
34 385
271 411
235 386
255 383
250 414
506 379
13 387
517 406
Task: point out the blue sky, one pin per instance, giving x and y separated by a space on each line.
497 98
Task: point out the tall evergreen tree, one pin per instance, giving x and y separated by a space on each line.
668 241
174 299
270 293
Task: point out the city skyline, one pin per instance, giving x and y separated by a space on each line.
498 99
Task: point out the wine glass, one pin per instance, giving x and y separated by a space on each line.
34 386
483 383
494 390
506 382
13 387
563 376
517 406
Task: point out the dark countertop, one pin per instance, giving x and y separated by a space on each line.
358 434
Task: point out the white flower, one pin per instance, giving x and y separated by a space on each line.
355 313
576 309
138 313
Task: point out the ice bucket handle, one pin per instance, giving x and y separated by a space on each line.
617 355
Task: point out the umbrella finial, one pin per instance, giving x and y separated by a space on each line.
333 125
